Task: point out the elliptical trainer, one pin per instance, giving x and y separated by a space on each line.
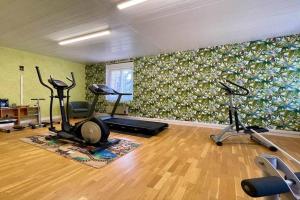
236 128
91 131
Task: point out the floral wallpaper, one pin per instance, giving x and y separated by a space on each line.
95 74
184 85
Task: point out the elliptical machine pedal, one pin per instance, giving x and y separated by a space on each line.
256 128
109 143
219 143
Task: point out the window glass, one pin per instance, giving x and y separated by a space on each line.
120 78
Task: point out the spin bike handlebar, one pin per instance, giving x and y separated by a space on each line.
232 91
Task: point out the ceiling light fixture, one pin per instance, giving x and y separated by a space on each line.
130 3
84 37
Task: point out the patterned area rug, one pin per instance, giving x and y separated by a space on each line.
88 155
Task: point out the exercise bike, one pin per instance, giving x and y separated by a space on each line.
91 131
39 123
236 128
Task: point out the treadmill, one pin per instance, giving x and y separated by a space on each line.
123 125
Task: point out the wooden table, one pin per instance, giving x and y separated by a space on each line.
19 113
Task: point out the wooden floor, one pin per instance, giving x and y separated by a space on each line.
179 163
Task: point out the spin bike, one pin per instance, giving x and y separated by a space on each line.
39 123
236 128
91 131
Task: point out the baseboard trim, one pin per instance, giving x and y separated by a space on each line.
276 132
54 118
213 126
180 122
284 133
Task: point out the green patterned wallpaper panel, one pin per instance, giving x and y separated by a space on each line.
184 85
95 74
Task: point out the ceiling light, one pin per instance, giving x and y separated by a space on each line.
84 37
130 3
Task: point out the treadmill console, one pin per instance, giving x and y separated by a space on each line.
101 89
57 83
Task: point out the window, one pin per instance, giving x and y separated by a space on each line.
120 78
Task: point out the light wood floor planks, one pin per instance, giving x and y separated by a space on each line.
179 163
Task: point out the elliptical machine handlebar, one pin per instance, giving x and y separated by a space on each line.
120 93
41 79
232 91
52 80
72 80
52 128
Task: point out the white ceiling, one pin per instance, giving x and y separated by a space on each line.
149 28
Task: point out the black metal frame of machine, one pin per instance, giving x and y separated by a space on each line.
123 124
279 181
91 131
236 127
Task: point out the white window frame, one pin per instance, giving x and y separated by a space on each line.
120 66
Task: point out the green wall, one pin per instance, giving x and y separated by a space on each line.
184 85
11 59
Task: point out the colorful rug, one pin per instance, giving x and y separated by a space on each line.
84 154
